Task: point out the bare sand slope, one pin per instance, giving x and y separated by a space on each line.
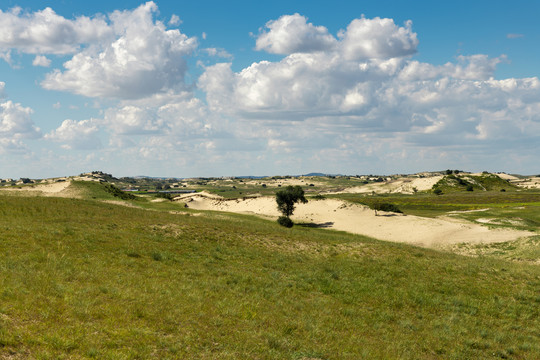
405 185
59 189
339 215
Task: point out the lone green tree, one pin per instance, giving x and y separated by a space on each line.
286 199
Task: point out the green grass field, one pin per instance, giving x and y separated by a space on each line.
85 279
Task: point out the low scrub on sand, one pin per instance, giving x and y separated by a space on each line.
466 182
85 279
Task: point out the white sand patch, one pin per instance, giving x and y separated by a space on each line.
45 189
120 202
405 185
513 222
528 183
507 176
467 211
52 188
484 221
358 219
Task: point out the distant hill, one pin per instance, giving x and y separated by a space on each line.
468 182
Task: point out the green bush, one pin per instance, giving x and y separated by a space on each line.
387 207
164 196
437 191
116 192
285 221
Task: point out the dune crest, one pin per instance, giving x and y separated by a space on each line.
335 214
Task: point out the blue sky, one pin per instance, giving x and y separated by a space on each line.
213 88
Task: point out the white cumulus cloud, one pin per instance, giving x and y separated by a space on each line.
292 33
367 83
171 114
80 135
45 32
41 60
16 121
175 20
142 58
15 124
377 38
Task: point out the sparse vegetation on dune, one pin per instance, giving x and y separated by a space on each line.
468 182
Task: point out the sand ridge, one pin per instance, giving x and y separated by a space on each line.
60 189
405 185
339 215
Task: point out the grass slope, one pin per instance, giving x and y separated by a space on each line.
83 279
466 182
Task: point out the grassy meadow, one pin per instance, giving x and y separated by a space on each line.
83 279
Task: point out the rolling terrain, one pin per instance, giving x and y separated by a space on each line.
90 272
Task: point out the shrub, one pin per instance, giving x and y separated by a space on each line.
285 221
470 188
165 196
116 192
386 207
437 191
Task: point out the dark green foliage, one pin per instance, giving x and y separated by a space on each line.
470 188
289 196
388 207
164 196
437 191
285 221
116 192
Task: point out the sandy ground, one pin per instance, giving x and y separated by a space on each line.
404 185
528 183
51 189
437 233
507 176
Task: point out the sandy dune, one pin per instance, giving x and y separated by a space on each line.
60 189
358 219
405 185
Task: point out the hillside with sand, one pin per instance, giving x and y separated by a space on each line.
334 214
441 232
